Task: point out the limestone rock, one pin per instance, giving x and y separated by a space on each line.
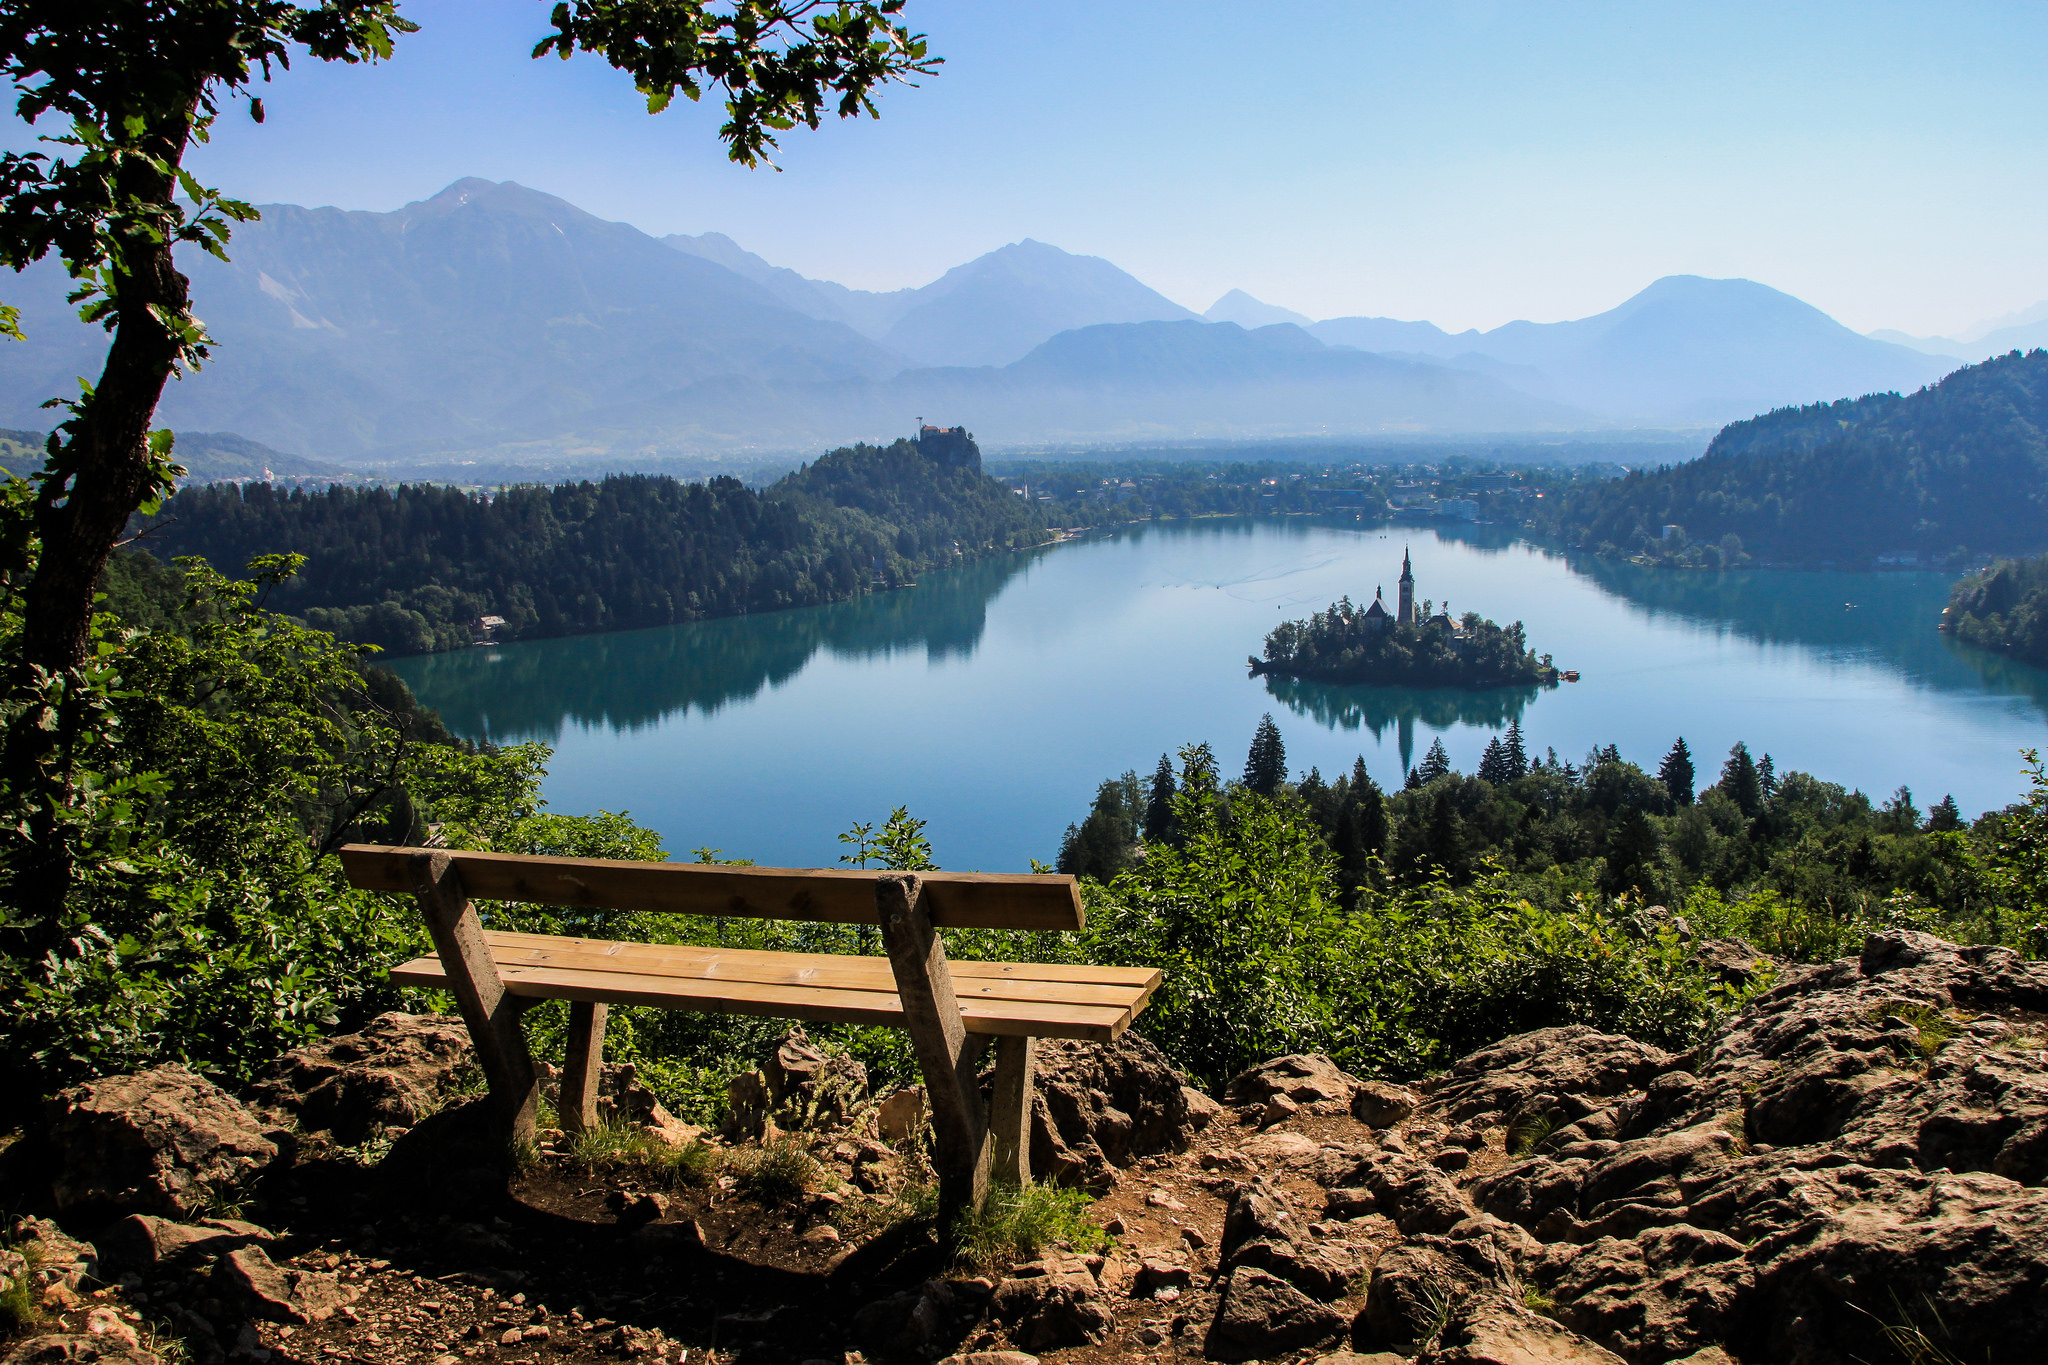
1381 1105
264 1289
1098 1107
898 1115
144 1242
1263 1315
1305 1078
165 1141
1047 1311
809 1089
64 1348
399 1069
922 1323
1503 1335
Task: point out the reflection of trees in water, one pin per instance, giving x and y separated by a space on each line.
1889 615
1358 706
630 679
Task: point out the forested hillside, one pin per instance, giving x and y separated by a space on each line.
1955 469
2004 608
413 568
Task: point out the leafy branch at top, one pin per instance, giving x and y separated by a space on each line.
779 63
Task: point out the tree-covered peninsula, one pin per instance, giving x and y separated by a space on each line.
1958 468
418 567
1344 644
2003 608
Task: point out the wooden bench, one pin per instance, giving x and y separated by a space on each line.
952 1009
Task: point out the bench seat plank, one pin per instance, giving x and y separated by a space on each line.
1126 988
1147 977
1098 1022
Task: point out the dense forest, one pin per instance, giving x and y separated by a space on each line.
1556 832
1959 468
1347 644
413 568
2003 608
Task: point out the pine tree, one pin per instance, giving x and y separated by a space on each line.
1159 807
1265 767
1436 763
1518 753
1945 818
1444 841
1677 774
1493 763
1739 779
1767 778
1632 848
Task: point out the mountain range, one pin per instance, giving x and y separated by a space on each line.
494 319
2025 330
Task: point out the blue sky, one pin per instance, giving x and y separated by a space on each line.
1469 162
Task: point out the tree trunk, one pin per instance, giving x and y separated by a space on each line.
79 516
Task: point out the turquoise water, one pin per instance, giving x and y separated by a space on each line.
992 700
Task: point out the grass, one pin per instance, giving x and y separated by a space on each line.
19 1308
1909 1341
1017 1223
1524 1137
1935 1026
1536 1301
618 1149
781 1172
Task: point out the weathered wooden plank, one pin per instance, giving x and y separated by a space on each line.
471 973
931 1013
583 1065
1079 972
985 900
1010 1111
1097 1023
793 969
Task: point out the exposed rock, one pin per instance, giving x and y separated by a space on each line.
1853 1154
897 1117
747 1106
1099 1107
1500 1334
265 1289
922 1323
1305 1078
1263 1315
809 1089
64 1348
1731 960
63 1260
991 1358
397 1071
1415 1194
164 1141
1062 1308
1382 1105
143 1242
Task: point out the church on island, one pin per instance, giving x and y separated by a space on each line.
1377 617
1414 646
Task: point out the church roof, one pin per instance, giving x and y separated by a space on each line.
1378 608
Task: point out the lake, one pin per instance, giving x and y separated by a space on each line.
992 700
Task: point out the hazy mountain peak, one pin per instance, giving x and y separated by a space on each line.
1246 311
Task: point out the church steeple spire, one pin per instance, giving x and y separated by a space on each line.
1406 615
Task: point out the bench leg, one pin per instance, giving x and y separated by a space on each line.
491 1013
945 1053
583 1066
1010 1111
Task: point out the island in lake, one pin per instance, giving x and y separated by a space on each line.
1407 647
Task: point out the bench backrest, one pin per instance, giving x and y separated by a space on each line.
958 900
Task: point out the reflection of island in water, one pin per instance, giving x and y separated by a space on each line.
1888 617
630 679
1350 706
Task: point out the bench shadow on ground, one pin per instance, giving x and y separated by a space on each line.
451 1256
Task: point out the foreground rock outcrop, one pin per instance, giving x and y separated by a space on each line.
1854 1169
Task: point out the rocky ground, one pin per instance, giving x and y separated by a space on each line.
1852 1170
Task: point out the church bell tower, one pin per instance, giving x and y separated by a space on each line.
1407 613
